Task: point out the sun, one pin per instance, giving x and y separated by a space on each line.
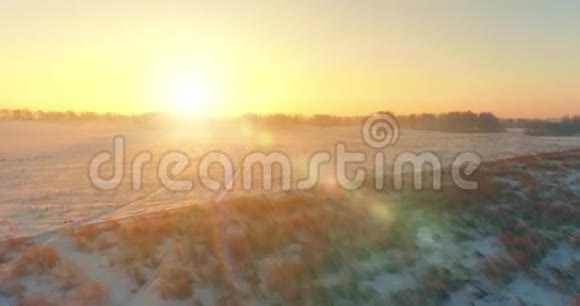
187 95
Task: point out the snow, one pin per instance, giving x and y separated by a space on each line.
44 187
43 172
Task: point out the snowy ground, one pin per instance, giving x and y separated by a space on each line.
43 166
514 242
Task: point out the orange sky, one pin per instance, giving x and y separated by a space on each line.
343 57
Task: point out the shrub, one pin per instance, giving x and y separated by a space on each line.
68 273
182 252
435 281
286 278
175 283
37 259
92 293
525 247
19 243
499 267
137 276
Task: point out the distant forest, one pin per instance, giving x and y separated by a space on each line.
462 122
567 126
448 122
26 114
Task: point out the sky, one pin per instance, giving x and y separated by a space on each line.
517 58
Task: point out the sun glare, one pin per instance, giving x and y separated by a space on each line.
187 95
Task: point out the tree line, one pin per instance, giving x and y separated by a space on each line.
452 121
567 126
26 114
465 121
449 122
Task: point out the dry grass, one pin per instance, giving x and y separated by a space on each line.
575 300
13 245
574 238
175 283
435 281
19 243
286 278
36 259
85 236
228 300
34 300
525 246
93 293
313 234
141 236
12 287
68 273
499 268
137 276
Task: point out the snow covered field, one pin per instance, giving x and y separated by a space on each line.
448 255
43 166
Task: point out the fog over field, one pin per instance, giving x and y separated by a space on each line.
44 166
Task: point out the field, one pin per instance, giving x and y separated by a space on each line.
515 241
